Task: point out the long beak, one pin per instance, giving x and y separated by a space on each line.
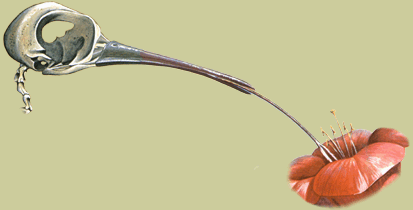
116 53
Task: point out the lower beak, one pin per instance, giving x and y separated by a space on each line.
117 53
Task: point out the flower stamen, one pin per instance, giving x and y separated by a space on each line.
333 111
322 132
335 146
351 139
334 136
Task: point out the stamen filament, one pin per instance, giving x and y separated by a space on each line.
351 139
334 135
341 131
336 148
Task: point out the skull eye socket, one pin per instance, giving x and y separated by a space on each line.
55 29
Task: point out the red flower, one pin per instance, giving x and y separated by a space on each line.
354 176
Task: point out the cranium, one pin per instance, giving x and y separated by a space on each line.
81 47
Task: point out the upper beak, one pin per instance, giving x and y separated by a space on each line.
116 53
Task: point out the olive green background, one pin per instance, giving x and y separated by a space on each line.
146 137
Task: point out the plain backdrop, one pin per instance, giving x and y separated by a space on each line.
145 137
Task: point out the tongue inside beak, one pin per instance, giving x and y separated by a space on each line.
117 53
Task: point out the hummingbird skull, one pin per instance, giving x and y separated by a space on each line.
72 52
81 47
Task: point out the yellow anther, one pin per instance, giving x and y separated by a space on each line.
332 129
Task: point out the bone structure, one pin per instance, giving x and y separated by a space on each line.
81 47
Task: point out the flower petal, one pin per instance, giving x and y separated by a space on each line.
388 135
304 188
305 167
376 159
355 175
389 177
338 178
